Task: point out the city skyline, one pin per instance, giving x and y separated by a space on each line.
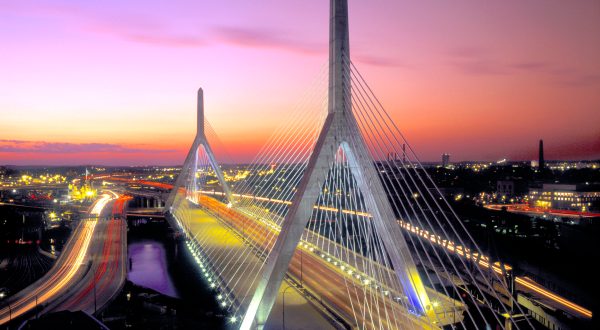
92 85
441 170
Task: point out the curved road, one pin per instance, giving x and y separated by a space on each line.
95 253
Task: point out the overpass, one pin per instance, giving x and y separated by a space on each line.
88 273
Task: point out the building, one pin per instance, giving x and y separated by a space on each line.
445 160
505 188
582 198
541 162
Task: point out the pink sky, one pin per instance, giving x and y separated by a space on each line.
114 82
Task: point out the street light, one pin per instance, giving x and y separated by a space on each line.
301 279
283 307
95 307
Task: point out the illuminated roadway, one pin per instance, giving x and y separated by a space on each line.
328 283
66 285
526 209
523 284
107 263
299 312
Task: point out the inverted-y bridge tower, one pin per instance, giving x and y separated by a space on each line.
340 133
187 176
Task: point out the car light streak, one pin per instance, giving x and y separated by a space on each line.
59 281
482 260
527 282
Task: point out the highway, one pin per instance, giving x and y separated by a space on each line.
222 241
523 284
330 283
526 209
85 253
108 266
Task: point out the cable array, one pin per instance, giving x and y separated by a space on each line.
342 258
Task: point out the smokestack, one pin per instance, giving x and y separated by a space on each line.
541 160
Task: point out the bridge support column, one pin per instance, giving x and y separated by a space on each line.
340 131
188 170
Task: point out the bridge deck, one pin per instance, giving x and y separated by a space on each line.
322 279
299 312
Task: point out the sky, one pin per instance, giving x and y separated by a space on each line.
114 82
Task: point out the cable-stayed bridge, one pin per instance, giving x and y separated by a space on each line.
367 238
336 216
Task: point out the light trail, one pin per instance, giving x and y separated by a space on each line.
99 205
451 246
325 279
526 209
63 272
58 281
528 283
463 252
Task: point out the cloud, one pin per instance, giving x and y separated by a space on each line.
21 146
479 67
478 61
159 39
151 31
265 38
531 66
380 61
580 80
475 61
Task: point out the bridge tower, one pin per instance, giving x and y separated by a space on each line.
190 165
340 131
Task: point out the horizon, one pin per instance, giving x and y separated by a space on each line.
507 161
114 84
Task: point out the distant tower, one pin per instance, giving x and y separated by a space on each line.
187 175
445 160
541 160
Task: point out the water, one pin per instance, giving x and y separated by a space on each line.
149 267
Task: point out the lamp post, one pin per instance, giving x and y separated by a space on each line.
301 258
95 307
283 307
9 312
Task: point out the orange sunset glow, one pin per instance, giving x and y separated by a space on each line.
114 82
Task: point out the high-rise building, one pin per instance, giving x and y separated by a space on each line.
541 163
445 160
